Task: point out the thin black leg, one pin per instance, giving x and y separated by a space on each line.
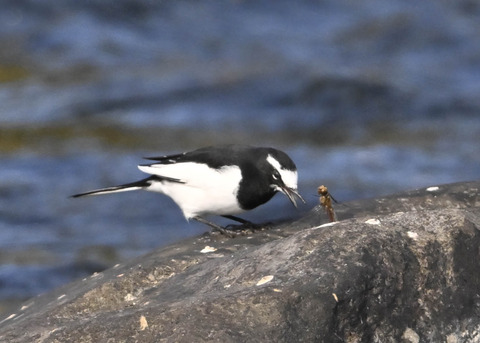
237 219
214 226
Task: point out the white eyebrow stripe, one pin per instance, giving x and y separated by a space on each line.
289 177
275 164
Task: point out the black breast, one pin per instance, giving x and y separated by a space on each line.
254 189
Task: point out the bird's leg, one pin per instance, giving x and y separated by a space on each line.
214 226
245 224
237 219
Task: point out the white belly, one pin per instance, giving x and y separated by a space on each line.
204 191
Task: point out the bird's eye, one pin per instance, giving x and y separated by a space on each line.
276 175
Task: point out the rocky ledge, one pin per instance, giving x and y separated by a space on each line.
403 268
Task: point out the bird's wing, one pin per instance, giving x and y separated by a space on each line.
195 167
215 157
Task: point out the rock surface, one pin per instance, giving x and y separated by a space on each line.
403 268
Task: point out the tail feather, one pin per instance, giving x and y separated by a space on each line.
120 188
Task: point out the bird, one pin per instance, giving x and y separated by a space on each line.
222 180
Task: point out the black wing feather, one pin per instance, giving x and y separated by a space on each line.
213 156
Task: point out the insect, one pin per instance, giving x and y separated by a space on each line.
326 201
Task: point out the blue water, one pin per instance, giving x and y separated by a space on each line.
368 98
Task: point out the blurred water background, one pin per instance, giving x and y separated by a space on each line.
368 98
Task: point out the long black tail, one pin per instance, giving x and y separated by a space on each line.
121 188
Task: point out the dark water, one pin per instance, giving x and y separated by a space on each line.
367 97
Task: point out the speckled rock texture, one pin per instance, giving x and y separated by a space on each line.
404 268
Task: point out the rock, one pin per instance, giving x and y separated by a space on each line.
402 268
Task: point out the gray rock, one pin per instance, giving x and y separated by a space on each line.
404 268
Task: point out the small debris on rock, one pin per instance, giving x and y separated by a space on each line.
325 225
129 297
143 323
264 280
13 315
208 249
24 307
372 221
412 235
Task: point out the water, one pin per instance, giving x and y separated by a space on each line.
368 98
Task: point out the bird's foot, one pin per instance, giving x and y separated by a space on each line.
232 230
226 231
244 229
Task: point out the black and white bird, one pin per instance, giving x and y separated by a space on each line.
218 180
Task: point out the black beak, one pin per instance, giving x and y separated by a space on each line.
291 193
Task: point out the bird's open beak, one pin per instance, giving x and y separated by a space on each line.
291 193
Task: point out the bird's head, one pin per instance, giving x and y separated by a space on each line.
283 177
